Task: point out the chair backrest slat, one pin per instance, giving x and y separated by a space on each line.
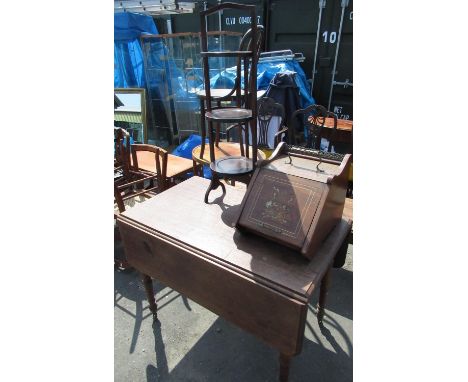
267 109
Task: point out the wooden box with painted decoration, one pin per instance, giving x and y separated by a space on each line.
296 197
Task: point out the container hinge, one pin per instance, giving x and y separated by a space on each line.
322 3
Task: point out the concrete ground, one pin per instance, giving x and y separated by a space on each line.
193 344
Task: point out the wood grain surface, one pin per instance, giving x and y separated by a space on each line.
180 216
262 311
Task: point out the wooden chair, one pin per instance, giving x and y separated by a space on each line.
317 119
151 160
126 179
127 195
313 118
270 121
129 186
148 171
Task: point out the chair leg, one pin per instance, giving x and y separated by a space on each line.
164 184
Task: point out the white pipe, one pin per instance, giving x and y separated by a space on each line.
322 4
344 4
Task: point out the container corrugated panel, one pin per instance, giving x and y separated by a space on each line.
231 20
293 24
239 21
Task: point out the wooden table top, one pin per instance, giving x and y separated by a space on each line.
175 165
224 149
185 221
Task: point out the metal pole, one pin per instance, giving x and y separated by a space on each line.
169 25
220 18
220 14
322 4
344 4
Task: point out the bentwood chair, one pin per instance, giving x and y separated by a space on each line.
220 96
244 111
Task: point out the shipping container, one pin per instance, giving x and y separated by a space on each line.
322 30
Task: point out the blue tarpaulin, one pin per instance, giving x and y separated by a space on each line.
265 73
184 150
128 56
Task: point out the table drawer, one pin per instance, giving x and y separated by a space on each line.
273 317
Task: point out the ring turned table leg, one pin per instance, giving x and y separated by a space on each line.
148 283
323 296
284 361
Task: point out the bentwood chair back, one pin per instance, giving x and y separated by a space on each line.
231 94
270 123
245 109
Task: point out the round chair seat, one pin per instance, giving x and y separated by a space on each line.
232 165
229 115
